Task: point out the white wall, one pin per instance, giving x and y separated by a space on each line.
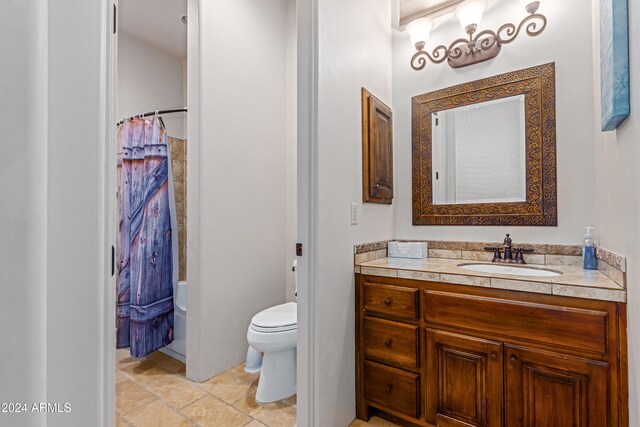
618 196
76 188
23 206
150 79
51 199
574 98
354 50
240 157
292 149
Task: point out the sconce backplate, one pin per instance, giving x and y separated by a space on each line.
474 56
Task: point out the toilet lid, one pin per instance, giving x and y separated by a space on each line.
280 316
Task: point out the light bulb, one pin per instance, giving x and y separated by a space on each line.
419 31
531 5
469 13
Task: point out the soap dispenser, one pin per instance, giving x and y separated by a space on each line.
589 250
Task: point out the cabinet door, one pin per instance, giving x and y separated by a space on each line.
547 389
377 150
464 380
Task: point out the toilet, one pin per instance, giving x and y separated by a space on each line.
274 332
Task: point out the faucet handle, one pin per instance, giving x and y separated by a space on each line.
519 259
496 252
526 250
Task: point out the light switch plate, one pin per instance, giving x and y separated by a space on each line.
355 213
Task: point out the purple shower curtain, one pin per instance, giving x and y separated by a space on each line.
144 241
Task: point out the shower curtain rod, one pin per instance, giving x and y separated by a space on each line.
153 113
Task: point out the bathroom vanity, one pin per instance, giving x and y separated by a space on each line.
437 345
468 337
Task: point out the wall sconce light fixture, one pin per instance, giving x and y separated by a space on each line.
480 46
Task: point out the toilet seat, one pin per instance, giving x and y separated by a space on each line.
280 318
273 330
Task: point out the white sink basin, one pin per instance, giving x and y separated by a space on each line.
510 269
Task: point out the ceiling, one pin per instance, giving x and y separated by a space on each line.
157 22
412 9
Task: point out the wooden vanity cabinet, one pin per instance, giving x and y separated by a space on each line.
436 354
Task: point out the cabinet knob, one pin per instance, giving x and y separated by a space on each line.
494 356
389 387
388 342
514 360
388 301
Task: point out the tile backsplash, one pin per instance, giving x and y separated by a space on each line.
178 148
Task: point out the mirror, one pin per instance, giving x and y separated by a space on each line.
484 152
479 153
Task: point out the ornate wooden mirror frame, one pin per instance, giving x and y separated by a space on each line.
537 84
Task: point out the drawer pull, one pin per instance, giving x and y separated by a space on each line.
389 387
514 360
388 342
388 301
494 356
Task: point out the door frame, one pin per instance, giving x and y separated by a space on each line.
109 58
307 200
193 173
307 197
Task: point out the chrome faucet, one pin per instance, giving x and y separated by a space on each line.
508 252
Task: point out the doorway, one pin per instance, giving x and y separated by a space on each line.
196 368
150 92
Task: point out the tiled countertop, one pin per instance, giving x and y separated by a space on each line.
574 281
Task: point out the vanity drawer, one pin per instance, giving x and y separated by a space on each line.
391 342
570 327
392 388
395 301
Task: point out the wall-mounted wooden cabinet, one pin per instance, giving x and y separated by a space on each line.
435 354
377 150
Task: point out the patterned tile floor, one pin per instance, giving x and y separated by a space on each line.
373 422
153 392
